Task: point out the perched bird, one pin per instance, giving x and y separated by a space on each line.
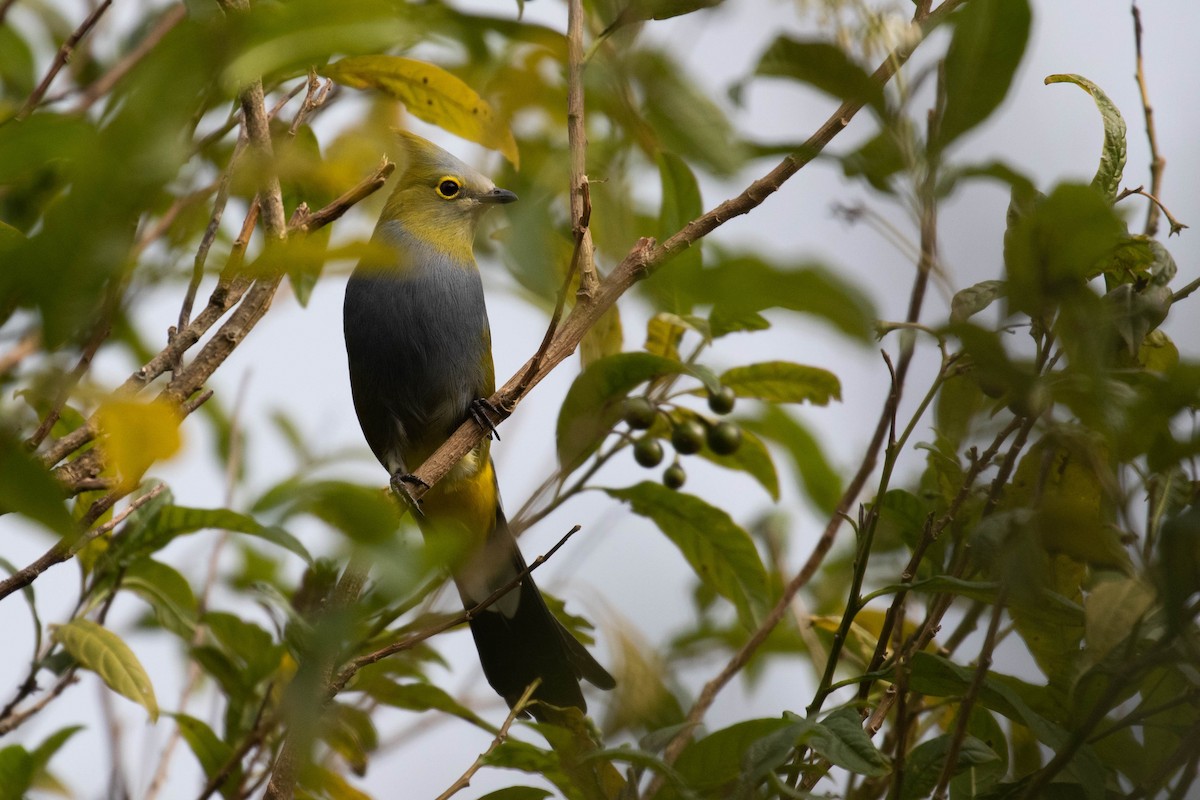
420 357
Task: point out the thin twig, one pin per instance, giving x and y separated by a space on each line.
1157 162
26 346
105 83
464 780
60 60
968 700
1175 225
409 642
577 145
99 334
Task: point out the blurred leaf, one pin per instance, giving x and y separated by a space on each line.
42 754
364 514
687 122
16 64
16 772
257 653
643 10
517 793
430 93
1112 155
168 593
968 302
783 382
605 338
421 697
159 522
101 651
820 481
823 66
1112 611
1178 565
136 435
721 323
593 403
926 761
888 152
665 330
720 552
1051 252
210 751
716 760
841 739
29 489
744 284
681 203
989 40
350 732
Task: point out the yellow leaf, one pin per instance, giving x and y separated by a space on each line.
136 435
431 94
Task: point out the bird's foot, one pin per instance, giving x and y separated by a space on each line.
482 411
402 485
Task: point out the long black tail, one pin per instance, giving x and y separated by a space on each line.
518 639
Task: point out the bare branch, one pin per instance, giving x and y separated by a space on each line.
105 83
60 59
465 779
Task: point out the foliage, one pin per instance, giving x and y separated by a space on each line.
1054 512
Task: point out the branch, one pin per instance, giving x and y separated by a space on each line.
61 59
351 669
465 779
104 84
577 142
645 257
1157 162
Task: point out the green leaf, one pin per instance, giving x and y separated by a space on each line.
1051 251
841 739
717 759
739 285
362 513
823 66
926 761
517 793
881 157
168 593
422 697
16 772
101 651
1112 154
720 552
989 40
643 10
430 93
593 403
29 489
256 651
783 382
162 522
753 458
210 751
820 481
52 744
681 203
1112 611
968 302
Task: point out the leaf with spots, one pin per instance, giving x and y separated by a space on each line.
430 93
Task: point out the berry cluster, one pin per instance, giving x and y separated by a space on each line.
689 434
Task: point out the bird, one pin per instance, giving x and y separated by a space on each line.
419 351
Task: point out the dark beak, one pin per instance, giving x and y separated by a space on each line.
498 196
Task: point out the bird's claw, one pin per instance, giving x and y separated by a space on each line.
482 410
401 485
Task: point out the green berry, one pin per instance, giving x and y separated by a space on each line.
721 402
648 452
674 477
688 437
639 413
724 438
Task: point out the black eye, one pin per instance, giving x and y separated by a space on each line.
448 188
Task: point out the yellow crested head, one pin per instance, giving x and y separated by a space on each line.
438 199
